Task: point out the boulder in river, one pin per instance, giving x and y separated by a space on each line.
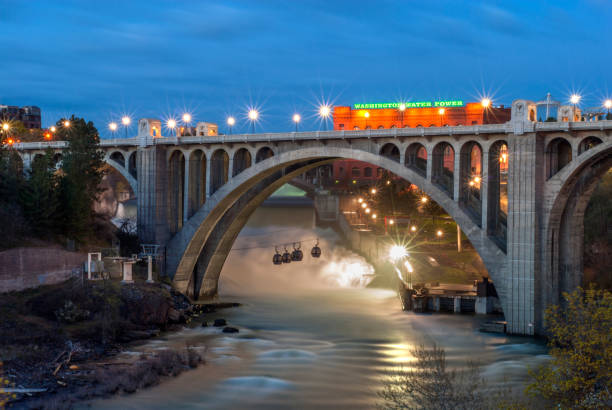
219 322
229 329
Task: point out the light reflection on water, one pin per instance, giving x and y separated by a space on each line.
310 338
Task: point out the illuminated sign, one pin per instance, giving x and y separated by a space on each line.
412 104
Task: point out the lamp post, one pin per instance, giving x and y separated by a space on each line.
402 108
296 120
253 116
171 124
575 99
67 124
366 115
441 112
126 123
324 112
113 127
608 105
187 122
230 123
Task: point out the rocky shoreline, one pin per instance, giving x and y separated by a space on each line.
59 344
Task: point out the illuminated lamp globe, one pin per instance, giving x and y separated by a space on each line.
402 107
575 99
608 104
413 228
171 123
67 124
373 191
231 121
439 233
363 205
360 200
253 115
297 118
441 111
324 111
113 126
186 118
374 216
367 210
424 199
391 221
476 179
126 120
53 129
5 126
367 114
485 102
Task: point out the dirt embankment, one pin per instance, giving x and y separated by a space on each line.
61 339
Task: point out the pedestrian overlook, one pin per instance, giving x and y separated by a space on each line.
518 190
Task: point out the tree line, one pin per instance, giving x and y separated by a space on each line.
55 197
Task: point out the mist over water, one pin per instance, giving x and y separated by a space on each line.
311 335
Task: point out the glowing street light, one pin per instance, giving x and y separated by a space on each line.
441 112
424 199
608 105
67 124
402 108
366 115
374 216
364 205
485 102
391 221
230 122
360 200
397 252
126 121
113 127
296 119
171 124
413 228
53 129
186 121
373 191
324 112
253 116
367 210
575 99
5 127
439 233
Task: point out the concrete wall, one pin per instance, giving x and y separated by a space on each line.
23 268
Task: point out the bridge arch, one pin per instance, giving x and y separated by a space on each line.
588 143
119 168
197 181
176 190
558 155
242 161
416 158
443 167
470 179
391 151
263 153
118 157
197 253
563 240
219 169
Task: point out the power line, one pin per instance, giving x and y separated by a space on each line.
276 245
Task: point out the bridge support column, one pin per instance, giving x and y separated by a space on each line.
186 190
208 180
457 175
152 195
523 253
484 191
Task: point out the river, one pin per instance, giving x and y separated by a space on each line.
311 334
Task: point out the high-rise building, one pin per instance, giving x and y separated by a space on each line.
29 115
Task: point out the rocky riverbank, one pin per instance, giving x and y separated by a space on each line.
58 343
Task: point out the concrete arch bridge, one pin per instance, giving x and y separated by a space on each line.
518 190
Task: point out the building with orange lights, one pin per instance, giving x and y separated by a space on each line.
363 116
417 114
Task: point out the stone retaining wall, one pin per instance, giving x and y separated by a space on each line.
23 268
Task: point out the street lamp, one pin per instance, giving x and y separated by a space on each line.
6 127
413 228
53 129
366 115
360 200
125 120
324 112
485 102
374 216
296 119
397 252
67 124
373 191
575 99
424 199
441 112
364 205
187 121
171 124
608 105
253 116
113 127
402 108
230 122
367 210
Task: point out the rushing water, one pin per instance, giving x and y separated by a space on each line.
311 335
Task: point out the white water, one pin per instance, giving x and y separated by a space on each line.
311 336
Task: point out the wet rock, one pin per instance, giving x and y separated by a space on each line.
229 329
204 324
219 322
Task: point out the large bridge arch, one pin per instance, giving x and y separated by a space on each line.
563 228
207 237
124 173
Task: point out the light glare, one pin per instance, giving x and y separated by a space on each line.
397 252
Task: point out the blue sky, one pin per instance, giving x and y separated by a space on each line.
101 59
